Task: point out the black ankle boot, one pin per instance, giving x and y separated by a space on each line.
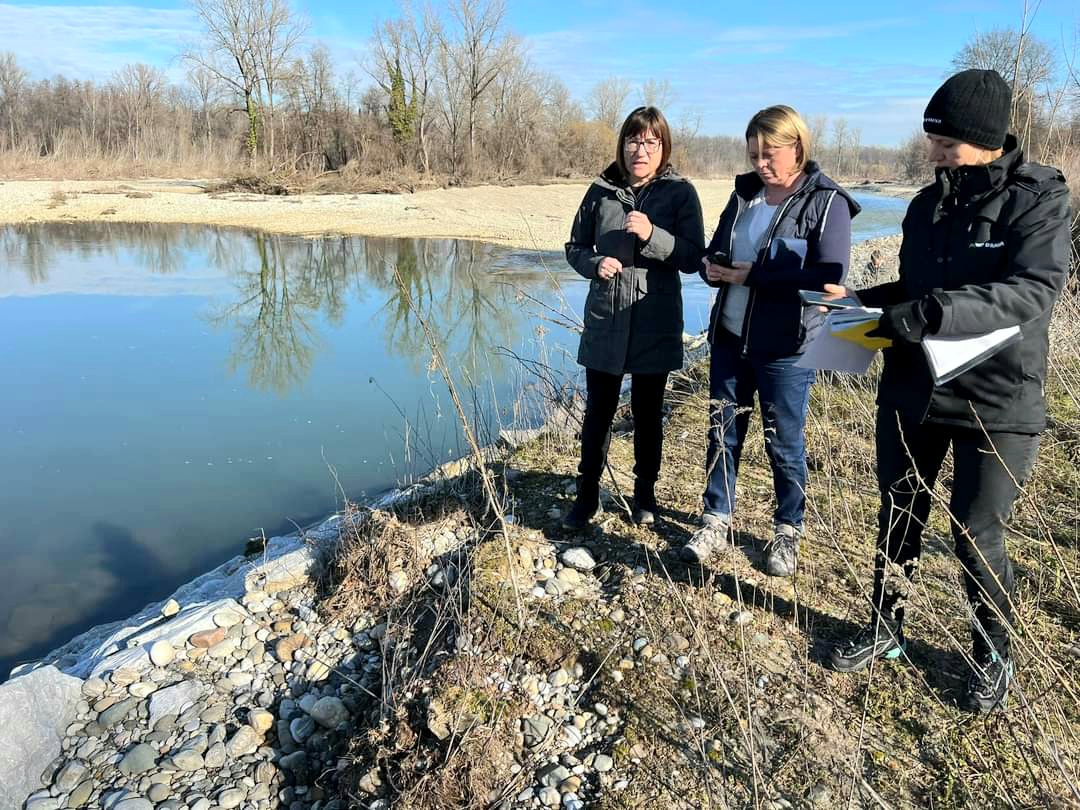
645 508
585 505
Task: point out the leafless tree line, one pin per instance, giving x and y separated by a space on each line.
447 92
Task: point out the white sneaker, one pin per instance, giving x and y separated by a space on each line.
709 540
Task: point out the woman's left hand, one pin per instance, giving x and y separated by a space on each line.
736 274
638 224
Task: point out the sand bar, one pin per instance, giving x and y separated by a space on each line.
529 217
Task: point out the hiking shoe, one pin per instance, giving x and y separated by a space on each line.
988 684
584 507
645 508
876 640
644 513
782 554
709 540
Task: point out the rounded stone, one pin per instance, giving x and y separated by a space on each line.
170 608
260 720
329 712
230 798
162 653
139 759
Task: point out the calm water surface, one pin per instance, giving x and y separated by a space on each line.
172 391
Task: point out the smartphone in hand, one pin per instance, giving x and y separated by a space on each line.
720 258
816 298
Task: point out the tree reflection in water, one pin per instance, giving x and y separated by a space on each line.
287 289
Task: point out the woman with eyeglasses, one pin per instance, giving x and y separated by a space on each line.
639 226
786 227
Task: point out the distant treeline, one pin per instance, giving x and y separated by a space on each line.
444 93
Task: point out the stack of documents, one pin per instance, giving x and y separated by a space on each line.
843 346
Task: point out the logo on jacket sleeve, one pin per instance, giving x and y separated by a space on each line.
987 244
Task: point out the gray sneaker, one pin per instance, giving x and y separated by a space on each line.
709 540
782 554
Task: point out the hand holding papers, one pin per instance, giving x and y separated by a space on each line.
842 344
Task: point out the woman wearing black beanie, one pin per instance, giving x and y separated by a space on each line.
986 246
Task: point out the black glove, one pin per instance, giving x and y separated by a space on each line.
910 321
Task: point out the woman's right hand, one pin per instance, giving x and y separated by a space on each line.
834 291
608 268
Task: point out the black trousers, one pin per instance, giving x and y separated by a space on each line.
989 468
646 404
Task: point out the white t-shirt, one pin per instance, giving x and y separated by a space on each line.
750 227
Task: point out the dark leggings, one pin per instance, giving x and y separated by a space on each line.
987 470
646 404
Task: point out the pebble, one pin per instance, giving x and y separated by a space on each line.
329 712
741 618
261 720
602 763
579 558
170 608
230 798
227 618
245 741
70 776
187 760
205 639
139 759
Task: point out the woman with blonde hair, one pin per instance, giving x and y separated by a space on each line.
637 228
786 227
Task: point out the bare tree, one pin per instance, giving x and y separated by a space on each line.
231 28
657 93
607 100
205 86
479 51
277 32
139 89
12 80
913 160
840 139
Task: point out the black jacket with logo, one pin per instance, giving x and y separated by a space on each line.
991 243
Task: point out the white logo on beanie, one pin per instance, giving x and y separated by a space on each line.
931 120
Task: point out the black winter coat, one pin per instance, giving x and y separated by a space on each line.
634 322
776 323
992 244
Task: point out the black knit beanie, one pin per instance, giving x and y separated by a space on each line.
972 106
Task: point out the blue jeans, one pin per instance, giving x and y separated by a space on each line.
784 392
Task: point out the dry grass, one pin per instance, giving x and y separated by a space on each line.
757 717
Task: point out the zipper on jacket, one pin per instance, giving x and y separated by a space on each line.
765 251
740 206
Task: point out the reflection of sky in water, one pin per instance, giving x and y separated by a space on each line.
170 391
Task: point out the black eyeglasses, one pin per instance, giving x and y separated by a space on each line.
631 145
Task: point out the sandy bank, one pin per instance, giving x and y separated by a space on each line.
529 217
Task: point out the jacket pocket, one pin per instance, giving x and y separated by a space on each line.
996 381
600 304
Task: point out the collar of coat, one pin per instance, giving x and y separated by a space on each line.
971 182
612 177
748 185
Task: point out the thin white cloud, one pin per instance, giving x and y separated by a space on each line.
92 42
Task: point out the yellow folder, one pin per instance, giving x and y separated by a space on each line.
856 333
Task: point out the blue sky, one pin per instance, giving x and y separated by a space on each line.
875 64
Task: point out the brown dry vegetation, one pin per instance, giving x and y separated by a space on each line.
778 725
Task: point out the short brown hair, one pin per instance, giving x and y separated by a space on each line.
780 126
640 121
